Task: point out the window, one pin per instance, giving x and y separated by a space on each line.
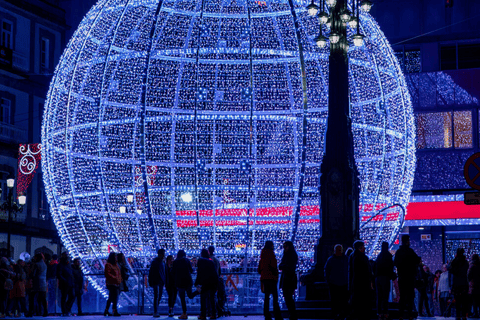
413 61
462 128
7 34
42 205
44 54
410 60
448 58
469 56
434 130
3 186
439 130
5 107
464 56
399 55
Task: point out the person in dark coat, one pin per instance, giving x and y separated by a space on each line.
211 250
182 270
288 279
430 288
79 282
122 264
170 286
336 276
52 283
113 279
268 270
207 278
39 287
65 284
157 279
406 261
383 272
459 269
360 282
474 279
422 287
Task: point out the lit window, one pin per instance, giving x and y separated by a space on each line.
462 128
434 130
44 54
413 61
5 106
7 34
410 61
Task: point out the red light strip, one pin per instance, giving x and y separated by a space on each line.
415 210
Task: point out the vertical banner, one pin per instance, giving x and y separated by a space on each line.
29 156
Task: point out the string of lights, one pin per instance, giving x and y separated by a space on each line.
172 121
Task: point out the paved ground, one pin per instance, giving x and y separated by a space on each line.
143 317
164 317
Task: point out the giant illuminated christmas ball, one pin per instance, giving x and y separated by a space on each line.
182 124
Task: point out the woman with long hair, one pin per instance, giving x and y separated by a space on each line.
124 272
268 270
288 279
113 279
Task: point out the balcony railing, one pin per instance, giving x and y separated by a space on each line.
15 218
12 134
20 62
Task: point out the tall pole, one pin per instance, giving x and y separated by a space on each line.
339 183
9 220
11 206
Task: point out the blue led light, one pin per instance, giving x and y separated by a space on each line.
145 89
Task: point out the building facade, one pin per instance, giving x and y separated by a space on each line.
438 45
31 41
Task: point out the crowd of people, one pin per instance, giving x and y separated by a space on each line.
176 277
34 281
355 282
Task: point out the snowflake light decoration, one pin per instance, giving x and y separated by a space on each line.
197 111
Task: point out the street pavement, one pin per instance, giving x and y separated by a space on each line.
165 317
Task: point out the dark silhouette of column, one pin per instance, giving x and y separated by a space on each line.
339 181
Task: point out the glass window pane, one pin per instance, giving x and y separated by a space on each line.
399 55
462 126
434 130
448 56
413 61
469 56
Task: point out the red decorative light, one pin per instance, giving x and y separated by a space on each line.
29 156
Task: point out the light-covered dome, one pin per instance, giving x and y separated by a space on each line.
195 108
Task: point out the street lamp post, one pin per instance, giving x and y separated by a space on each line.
339 182
11 207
